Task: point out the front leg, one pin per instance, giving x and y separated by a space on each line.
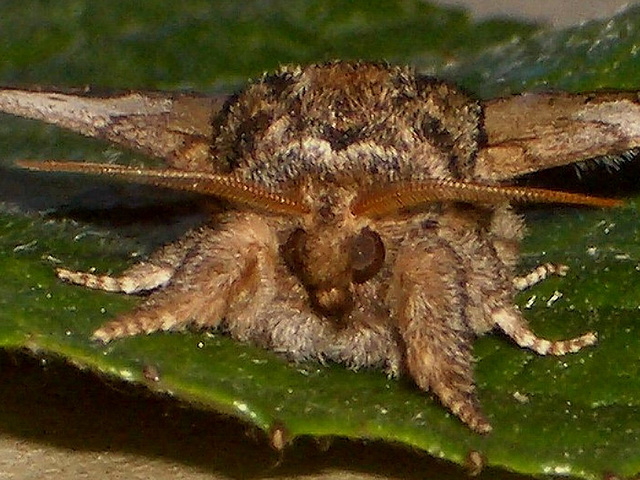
428 300
142 277
198 280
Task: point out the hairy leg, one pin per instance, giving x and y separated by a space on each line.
539 274
141 277
216 269
512 323
429 299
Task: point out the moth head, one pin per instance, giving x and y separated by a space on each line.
332 252
329 264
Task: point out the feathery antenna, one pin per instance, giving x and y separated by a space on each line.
223 186
389 200
380 202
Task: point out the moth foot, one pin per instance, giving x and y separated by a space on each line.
140 278
539 274
473 417
511 323
458 395
142 323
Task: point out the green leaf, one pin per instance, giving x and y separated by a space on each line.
596 55
576 415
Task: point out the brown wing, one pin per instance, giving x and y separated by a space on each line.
531 132
175 127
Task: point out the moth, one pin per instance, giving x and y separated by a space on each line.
369 217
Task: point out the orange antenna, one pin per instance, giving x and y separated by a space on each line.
389 200
223 186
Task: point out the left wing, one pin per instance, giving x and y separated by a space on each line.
532 132
174 127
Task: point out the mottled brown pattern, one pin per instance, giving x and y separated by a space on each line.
319 257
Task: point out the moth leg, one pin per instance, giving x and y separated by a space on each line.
172 308
512 323
438 342
539 274
142 277
139 278
224 268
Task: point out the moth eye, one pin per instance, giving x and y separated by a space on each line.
367 255
293 250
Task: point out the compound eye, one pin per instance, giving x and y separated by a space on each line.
367 255
293 250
